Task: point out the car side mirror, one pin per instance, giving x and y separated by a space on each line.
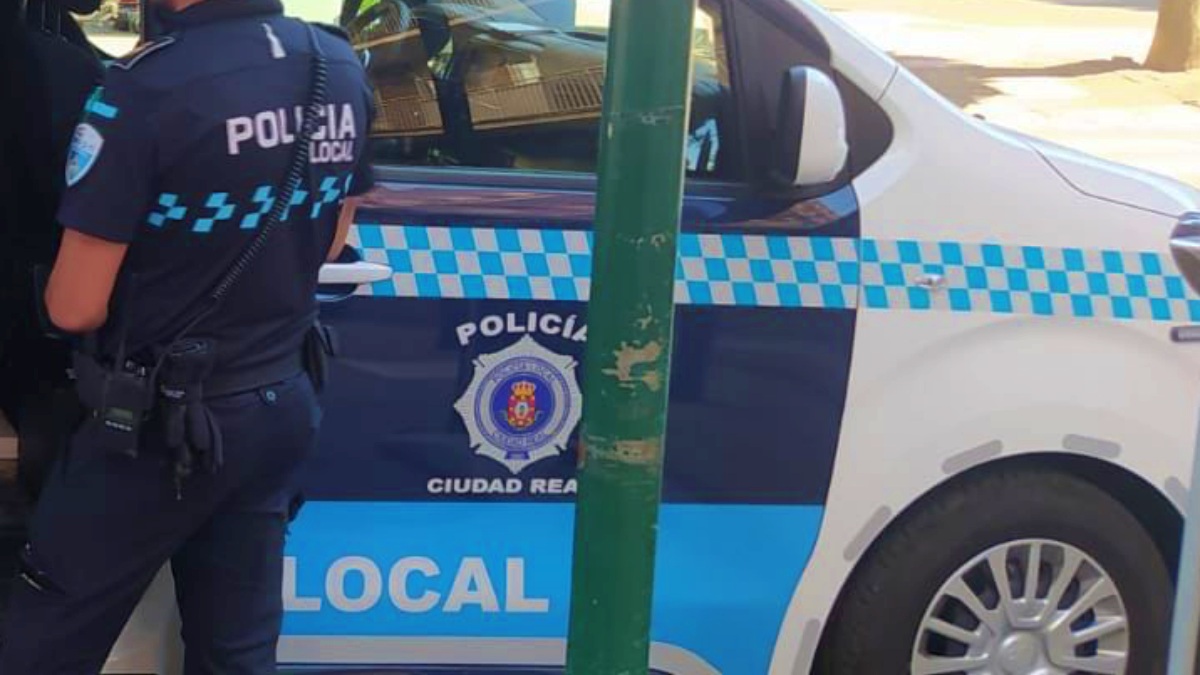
811 146
1185 248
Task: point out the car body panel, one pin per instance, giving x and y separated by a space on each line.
970 296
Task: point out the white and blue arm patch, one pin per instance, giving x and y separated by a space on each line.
86 145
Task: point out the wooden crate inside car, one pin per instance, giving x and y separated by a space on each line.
549 98
407 109
381 22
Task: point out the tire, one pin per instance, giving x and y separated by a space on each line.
875 628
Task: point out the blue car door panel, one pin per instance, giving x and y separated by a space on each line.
440 503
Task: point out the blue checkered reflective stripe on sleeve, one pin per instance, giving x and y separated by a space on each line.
754 270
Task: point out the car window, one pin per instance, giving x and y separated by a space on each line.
516 84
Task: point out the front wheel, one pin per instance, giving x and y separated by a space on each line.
1016 572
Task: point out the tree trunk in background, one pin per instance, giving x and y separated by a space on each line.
1177 40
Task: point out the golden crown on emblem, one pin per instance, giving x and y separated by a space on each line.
524 389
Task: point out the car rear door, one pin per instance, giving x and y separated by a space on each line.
439 518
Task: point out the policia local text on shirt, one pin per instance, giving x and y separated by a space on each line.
201 382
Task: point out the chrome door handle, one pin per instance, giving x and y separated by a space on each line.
353 273
930 282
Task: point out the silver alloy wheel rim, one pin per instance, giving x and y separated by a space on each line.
1027 607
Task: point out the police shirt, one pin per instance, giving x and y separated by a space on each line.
181 154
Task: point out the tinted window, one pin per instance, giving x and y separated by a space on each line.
516 84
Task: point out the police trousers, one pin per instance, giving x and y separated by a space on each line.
106 524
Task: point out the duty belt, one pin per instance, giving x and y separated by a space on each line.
237 382
173 393
191 433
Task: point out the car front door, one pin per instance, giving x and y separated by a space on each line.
439 519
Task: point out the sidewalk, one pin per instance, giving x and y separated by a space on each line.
1064 70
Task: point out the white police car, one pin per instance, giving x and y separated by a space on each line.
925 406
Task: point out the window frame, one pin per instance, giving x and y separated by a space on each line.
566 181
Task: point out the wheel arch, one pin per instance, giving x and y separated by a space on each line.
1150 506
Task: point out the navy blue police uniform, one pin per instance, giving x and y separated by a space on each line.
181 155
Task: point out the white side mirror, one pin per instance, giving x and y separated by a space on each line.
812 145
1185 248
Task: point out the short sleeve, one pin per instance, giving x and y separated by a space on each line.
364 176
110 165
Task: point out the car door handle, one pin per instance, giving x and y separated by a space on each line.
353 273
933 283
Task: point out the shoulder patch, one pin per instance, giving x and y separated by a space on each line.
85 150
135 57
336 31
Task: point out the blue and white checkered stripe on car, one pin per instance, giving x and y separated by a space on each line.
755 270
528 264
1075 282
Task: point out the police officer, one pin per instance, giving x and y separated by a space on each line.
182 158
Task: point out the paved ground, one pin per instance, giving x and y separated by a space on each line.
1065 70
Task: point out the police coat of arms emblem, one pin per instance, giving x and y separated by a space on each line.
522 404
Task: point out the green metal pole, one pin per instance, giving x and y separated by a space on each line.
630 318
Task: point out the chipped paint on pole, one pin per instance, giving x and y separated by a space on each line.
630 321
